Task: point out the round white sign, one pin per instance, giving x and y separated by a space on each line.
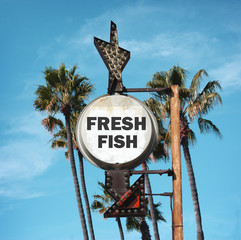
116 132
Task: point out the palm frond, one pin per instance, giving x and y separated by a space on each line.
211 87
59 143
66 154
208 102
103 210
168 137
81 93
50 123
101 197
205 101
191 137
62 74
96 205
51 77
53 105
160 151
61 134
79 80
101 202
184 94
165 108
155 107
158 213
132 223
73 70
207 126
46 100
203 104
177 76
102 185
195 84
159 80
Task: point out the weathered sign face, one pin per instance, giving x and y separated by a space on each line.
116 132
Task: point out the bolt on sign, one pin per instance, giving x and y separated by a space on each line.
116 132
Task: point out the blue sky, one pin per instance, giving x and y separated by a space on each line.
37 199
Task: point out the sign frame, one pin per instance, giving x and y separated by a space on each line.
103 163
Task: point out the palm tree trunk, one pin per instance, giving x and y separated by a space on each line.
145 231
74 173
150 200
200 234
85 195
120 228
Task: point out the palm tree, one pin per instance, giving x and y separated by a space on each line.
139 223
194 105
102 203
151 203
63 91
59 140
158 153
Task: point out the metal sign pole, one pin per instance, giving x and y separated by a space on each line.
176 166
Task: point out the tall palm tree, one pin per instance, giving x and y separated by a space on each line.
194 105
59 140
102 203
158 153
151 203
64 90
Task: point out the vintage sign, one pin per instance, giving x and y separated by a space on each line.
116 132
131 203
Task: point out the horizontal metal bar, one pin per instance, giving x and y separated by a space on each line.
167 194
166 90
168 171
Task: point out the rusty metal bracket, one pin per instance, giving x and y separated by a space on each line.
169 172
165 194
158 90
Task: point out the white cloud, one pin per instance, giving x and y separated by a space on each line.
65 46
23 159
19 192
170 45
192 49
229 73
25 155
